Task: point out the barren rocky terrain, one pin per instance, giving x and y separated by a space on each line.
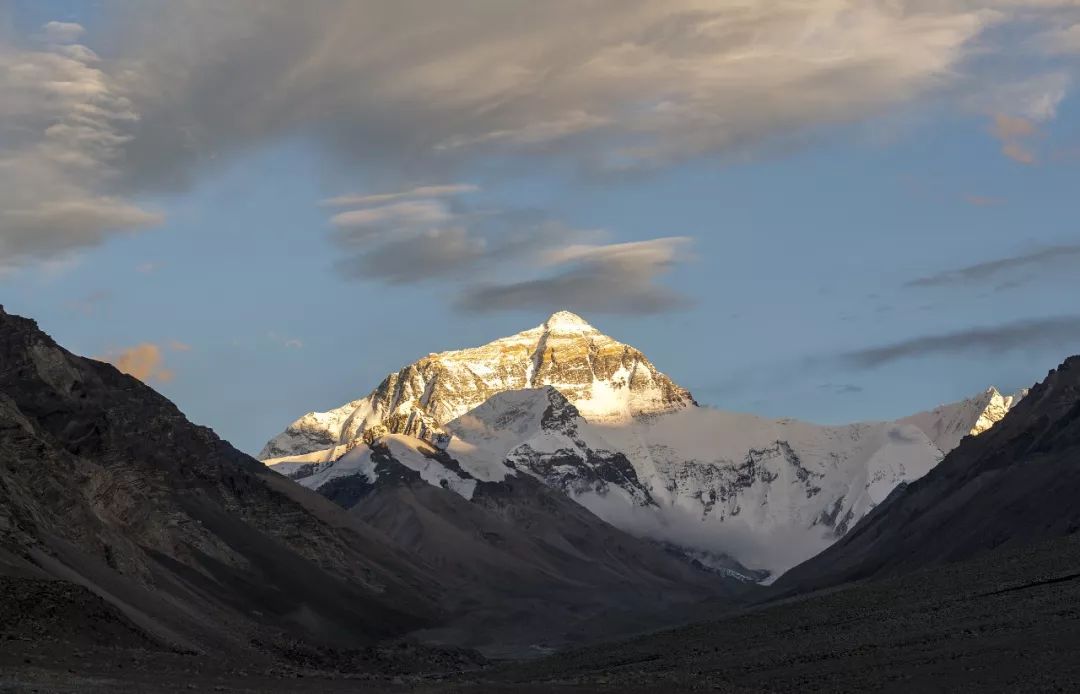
1005 621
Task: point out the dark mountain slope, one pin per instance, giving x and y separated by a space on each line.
526 566
1015 484
104 483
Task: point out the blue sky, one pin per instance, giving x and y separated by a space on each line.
754 227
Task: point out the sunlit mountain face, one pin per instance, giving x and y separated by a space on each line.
511 328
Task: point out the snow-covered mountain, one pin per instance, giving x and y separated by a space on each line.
946 425
592 417
606 380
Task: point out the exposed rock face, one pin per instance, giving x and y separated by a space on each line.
604 379
1014 484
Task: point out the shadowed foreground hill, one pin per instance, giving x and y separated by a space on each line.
194 545
1017 483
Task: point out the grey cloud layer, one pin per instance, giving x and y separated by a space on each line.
1057 333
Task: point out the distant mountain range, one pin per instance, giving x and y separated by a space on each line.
585 414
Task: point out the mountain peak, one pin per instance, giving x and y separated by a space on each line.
604 379
567 321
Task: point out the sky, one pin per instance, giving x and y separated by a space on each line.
822 209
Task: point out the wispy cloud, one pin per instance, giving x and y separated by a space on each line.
841 388
427 234
284 341
62 32
1057 333
62 131
396 213
437 191
1062 257
1060 40
615 278
437 237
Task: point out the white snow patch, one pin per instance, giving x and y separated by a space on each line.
356 462
410 452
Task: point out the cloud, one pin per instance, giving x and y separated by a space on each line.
177 346
361 199
1064 256
400 90
1014 133
439 238
285 342
144 361
983 200
62 121
428 234
62 32
414 87
1058 333
1060 40
615 278
1017 107
147 267
433 254
397 213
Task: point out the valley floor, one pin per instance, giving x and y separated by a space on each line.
1009 621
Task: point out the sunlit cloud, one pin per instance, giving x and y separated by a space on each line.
144 361
1015 134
